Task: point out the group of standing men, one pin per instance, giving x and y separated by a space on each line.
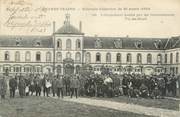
28 85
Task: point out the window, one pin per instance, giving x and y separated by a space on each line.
129 59
159 58
6 56
38 56
108 57
68 44
98 57
165 58
17 43
118 57
78 44
138 44
98 43
149 58
59 56
17 69
38 43
59 44
37 69
17 56
58 69
78 57
118 43
27 69
88 58
171 58
48 56
68 55
28 56
177 57
139 58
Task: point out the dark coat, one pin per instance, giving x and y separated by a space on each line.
74 83
13 83
3 87
60 83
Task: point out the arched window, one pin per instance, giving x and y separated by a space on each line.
139 58
165 58
171 58
6 56
68 55
108 57
149 58
17 56
68 44
98 57
177 57
59 44
38 56
159 58
118 57
48 56
58 69
28 56
129 58
78 44
78 57
59 56
88 58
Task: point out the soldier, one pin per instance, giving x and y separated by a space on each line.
54 87
48 86
125 85
37 86
21 86
44 84
60 86
3 87
12 86
74 85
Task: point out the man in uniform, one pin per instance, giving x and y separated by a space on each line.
21 86
12 86
54 87
60 86
74 85
3 87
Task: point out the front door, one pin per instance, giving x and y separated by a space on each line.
68 65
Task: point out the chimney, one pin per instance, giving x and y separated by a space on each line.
54 26
80 26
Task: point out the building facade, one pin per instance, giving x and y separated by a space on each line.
69 51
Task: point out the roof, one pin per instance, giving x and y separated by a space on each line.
173 42
127 43
26 41
89 42
67 28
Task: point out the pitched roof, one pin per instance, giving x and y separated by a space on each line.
67 28
26 41
127 43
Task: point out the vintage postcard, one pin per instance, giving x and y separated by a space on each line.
89 58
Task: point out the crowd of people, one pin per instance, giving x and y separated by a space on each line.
108 85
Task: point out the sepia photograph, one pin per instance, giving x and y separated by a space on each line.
90 58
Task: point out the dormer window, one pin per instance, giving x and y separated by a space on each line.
138 44
157 44
38 43
18 42
98 43
118 43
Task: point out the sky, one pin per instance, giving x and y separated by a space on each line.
99 22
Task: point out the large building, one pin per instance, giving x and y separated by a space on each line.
69 51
